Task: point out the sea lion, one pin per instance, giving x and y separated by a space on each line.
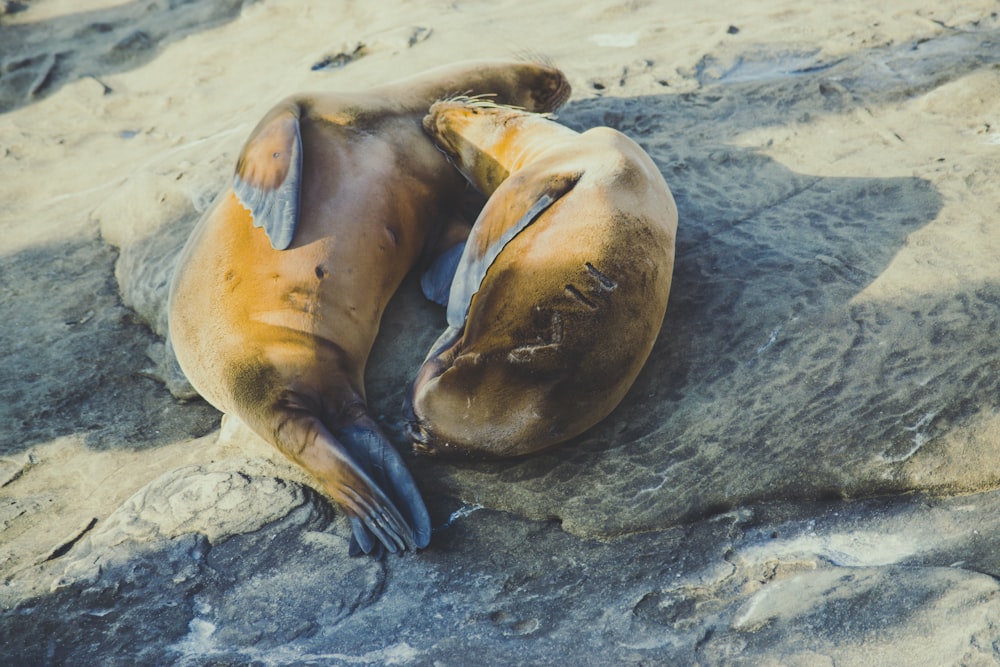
560 291
277 295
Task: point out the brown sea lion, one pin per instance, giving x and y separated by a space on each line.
560 291
277 295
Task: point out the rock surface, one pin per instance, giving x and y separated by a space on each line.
804 474
854 583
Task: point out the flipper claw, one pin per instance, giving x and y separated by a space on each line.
366 476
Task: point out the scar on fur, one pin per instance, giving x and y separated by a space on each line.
523 353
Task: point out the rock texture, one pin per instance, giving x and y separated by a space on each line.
845 583
804 474
783 370
37 59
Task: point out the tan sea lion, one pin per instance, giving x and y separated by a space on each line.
560 291
277 295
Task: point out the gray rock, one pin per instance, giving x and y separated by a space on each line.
774 377
801 475
777 584
889 615
212 502
44 57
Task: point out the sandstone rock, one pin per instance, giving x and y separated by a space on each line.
792 583
803 474
211 502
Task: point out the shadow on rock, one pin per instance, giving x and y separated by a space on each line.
770 379
201 563
75 366
742 588
38 58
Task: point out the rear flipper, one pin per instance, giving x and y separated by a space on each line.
373 452
358 473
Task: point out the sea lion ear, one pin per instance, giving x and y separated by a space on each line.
436 281
269 175
487 240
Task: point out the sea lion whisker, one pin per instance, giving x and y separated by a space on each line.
462 97
482 101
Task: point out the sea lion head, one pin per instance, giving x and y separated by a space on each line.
473 132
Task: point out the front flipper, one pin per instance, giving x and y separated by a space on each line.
269 175
494 229
436 281
373 452
308 442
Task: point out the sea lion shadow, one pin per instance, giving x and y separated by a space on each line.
760 249
75 361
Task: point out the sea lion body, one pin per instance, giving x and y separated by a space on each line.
277 296
561 289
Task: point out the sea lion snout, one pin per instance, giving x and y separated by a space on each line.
432 126
559 91
445 128
419 439
423 445
415 431
423 442
429 438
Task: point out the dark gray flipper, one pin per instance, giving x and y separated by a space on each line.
269 175
436 282
373 452
346 469
481 250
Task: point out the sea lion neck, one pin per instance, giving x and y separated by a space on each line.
488 143
533 136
